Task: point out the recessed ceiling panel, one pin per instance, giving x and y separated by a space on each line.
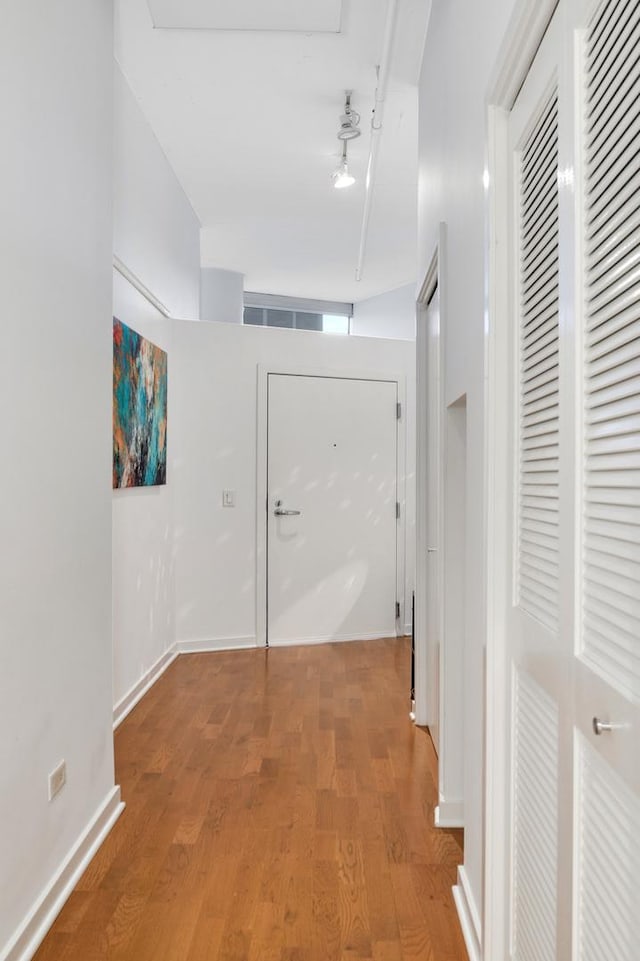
303 16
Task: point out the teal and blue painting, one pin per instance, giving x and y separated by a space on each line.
139 410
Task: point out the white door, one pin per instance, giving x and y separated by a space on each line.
606 649
574 620
540 626
332 493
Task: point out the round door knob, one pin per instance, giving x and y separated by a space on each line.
599 727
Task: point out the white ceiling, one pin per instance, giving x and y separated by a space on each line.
248 120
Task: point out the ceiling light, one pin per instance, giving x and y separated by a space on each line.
341 176
348 128
349 121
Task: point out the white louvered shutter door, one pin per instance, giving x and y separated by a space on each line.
573 624
607 815
612 349
536 541
539 371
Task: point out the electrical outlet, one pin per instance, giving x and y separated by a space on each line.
57 779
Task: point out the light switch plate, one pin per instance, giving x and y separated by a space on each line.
57 779
228 498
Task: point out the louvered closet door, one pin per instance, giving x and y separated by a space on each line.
540 620
575 613
607 661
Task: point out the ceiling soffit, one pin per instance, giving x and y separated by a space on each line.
301 16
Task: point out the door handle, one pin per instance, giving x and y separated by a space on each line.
600 727
281 512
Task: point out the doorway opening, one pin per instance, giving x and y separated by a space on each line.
441 545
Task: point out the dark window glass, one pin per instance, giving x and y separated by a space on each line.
279 318
298 319
306 321
253 315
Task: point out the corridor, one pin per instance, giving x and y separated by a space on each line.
279 806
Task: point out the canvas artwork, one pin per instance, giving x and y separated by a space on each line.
139 410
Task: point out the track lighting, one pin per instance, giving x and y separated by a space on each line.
341 176
348 130
349 121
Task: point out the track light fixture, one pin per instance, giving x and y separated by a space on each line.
349 120
341 176
348 130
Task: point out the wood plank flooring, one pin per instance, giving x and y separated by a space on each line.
279 808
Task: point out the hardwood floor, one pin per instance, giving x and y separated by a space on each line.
279 808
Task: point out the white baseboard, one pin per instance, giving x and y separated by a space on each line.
216 644
407 630
330 639
449 814
31 933
468 914
140 688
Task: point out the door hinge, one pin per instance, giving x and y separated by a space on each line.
398 411
398 510
397 609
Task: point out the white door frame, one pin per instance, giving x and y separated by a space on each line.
434 278
450 809
523 37
264 370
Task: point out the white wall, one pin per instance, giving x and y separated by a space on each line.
142 531
55 394
461 48
392 314
213 424
157 235
156 232
221 295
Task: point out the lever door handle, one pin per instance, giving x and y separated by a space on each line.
279 511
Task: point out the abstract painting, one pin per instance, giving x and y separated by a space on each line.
139 410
